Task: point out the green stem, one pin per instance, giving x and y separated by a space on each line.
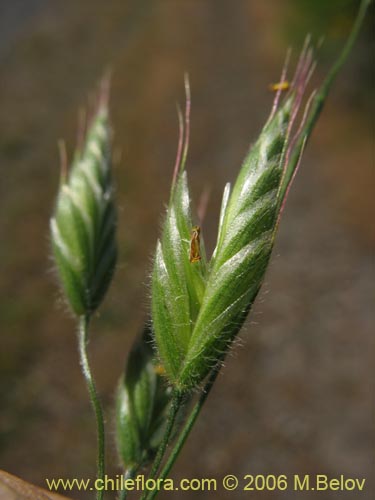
187 427
347 48
321 95
175 406
123 495
128 474
82 344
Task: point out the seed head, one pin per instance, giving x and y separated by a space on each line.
84 221
141 403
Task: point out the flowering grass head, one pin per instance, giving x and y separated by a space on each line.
84 221
199 305
141 403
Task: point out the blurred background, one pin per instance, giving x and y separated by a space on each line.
296 394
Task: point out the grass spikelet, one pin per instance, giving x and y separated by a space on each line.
84 221
141 402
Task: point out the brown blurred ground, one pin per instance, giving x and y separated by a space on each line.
296 397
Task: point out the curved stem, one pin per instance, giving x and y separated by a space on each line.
175 406
187 427
347 47
321 95
82 345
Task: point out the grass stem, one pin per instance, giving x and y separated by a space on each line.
187 428
174 408
82 345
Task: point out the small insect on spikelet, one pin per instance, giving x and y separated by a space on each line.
282 86
84 221
159 369
195 245
180 266
248 222
198 310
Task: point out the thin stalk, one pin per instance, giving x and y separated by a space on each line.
175 406
123 495
128 474
82 345
187 428
321 95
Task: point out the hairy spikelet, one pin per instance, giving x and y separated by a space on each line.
242 253
177 284
194 326
195 320
141 403
84 221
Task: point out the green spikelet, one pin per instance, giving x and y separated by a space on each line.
177 284
245 240
84 221
192 340
198 307
195 325
141 402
